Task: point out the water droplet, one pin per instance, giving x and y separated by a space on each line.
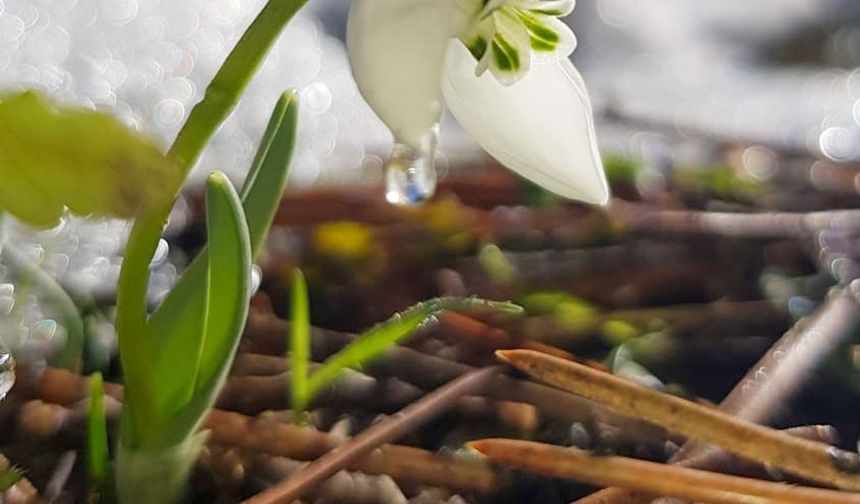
256 278
410 177
161 251
7 371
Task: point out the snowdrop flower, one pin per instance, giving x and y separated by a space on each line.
501 67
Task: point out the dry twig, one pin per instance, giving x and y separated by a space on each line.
651 477
737 225
388 430
815 461
260 434
770 382
265 332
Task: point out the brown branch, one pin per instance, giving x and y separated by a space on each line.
738 225
420 412
717 461
651 477
402 463
815 461
38 419
700 321
772 381
777 376
265 333
345 486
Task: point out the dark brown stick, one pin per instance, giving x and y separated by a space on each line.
265 333
737 225
652 477
777 376
38 419
815 461
770 382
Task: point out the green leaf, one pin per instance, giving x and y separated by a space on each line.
97 438
380 338
300 343
228 282
229 279
267 178
180 317
9 477
53 157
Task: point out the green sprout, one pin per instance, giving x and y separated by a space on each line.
299 344
9 477
368 346
186 347
97 438
176 360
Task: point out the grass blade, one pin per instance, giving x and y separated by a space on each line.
815 461
380 338
97 438
300 343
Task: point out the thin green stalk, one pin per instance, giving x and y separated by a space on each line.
97 438
376 341
300 343
228 84
221 97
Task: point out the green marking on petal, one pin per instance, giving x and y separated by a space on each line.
477 47
542 45
502 34
542 37
505 56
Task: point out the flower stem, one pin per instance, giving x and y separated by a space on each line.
221 97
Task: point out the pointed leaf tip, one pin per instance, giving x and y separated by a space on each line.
217 179
505 356
478 446
542 127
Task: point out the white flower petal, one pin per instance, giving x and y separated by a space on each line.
396 51
557 8
541 127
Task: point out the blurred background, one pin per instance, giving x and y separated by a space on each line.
781 72
781 75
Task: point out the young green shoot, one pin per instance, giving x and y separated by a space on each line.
175 361
97 438
376 341
9 477
299 344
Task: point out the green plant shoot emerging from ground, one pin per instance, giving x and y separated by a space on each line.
176 359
